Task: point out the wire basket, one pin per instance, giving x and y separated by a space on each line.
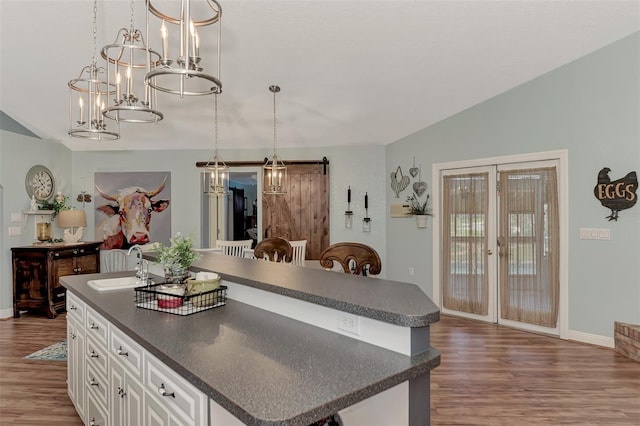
160 297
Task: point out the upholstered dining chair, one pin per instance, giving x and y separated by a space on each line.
115 261
355 258
275 249
233 248
299 251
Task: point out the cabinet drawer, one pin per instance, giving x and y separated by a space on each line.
96 326
96 355
75 308
97 385
176 393
86 265
125 350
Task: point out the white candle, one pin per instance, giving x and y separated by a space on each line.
129 80
165 42
118 79
280 179
197 44
81 102
192 30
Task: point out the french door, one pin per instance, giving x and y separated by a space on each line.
500 244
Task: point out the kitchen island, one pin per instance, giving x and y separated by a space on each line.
275 354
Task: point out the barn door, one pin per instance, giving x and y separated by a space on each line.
303 212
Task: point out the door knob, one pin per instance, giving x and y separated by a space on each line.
489 252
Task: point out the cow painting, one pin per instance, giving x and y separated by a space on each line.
129 215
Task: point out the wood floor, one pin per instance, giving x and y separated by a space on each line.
489 375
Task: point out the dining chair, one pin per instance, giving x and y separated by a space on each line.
355 258
233 248
275 249
115 261
299 251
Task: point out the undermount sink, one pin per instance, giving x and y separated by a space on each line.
114 283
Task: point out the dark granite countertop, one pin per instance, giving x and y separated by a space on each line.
262 367
393 302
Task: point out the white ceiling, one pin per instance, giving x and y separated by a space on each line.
351 72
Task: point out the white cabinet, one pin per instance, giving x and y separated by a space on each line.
113 381
75 353
126 397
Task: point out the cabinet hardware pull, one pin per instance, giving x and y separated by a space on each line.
72 308
93 326
75 252
121 392
93 422
93 382
73 336
122 352
162 391
94 355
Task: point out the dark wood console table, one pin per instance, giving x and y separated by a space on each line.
37 270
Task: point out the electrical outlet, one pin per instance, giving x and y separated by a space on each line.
349 323
14 231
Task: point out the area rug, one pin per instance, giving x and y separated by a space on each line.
55 352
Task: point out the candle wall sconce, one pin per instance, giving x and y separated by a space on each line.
366 222
348 215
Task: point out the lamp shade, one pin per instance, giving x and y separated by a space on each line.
72 218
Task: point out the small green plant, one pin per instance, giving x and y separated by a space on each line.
416 207
179 255
58 204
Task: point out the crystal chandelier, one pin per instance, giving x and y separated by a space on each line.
215 169
89 93
274 170
127 57
186 76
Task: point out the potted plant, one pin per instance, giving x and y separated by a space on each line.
419 209
176 258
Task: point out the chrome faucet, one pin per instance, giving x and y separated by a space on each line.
138 251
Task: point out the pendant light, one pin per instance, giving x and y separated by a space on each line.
185 75
215 169
89 94
129 57
274 170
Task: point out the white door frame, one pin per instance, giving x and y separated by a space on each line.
563 199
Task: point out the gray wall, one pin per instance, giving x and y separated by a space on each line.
18 153
589 107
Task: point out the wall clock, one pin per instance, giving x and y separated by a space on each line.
40 183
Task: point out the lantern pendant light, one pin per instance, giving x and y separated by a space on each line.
274 170
215 169
88 93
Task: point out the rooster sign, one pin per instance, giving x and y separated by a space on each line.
616 195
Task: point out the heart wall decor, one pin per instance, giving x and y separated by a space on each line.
399 181
419 187
413 171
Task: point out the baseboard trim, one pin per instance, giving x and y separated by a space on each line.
592 339
6 313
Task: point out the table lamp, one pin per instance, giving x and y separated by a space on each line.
72 219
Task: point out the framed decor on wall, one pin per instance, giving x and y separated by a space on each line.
132 208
